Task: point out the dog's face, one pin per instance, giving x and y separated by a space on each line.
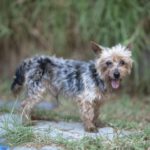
113 64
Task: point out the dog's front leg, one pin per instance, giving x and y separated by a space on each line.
88 115
97 121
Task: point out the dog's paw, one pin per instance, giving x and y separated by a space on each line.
91 129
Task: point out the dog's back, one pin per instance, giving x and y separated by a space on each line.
70 77
62 75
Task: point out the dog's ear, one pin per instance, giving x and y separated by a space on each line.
96 47
129 47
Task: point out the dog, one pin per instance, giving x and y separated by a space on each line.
85 82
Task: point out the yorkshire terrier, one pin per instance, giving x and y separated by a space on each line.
85 82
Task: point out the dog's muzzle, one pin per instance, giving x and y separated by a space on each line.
115 82
116 74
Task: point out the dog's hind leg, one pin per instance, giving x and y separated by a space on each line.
35 96
28 104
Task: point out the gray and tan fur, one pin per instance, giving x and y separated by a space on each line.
85 82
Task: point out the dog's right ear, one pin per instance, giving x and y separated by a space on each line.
96 47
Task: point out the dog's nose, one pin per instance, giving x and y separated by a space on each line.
116 74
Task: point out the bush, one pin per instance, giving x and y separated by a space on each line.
67 25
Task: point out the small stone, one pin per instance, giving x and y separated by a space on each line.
24 148
73 131
45 105
52 147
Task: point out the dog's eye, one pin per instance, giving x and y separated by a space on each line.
122 62
108 63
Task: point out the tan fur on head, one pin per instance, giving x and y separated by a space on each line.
114 60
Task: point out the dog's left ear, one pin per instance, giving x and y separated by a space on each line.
96 47
129 47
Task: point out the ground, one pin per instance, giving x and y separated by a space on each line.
120 114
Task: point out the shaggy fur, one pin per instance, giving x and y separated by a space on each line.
85 82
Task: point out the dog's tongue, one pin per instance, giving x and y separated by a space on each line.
115 84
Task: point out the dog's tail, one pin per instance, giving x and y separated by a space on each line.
18 80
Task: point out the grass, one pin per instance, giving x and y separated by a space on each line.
122 114
18 135
127 143
5 92
126 113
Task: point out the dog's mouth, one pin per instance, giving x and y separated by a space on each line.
115 83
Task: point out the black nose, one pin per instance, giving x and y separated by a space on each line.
116 74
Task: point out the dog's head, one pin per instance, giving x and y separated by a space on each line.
113 64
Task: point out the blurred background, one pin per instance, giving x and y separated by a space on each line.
65 28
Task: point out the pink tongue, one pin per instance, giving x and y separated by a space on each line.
115 84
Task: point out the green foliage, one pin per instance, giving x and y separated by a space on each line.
17 135
85 143
69 25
